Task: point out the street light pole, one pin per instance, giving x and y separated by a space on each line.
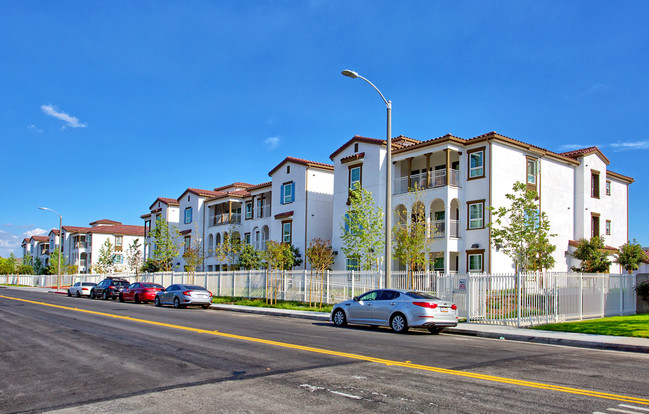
58 276
388 181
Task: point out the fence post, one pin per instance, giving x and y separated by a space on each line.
608 278
327 287
467 296
353 278
284 284
520 298
218 286
304 299
581 296
622 284
249 282
234 283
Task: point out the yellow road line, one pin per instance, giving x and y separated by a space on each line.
387 362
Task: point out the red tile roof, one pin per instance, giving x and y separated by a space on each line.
301 162
235 193
201 193
41 238
167 201
352 157
575 243
576 154
120 229
238 185
76 229
104 221
55 231
284 215
357 138
258 186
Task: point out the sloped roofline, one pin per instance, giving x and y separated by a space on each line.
307 163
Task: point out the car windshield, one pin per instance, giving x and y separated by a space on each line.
120 283
193 287
151 285
421 295
88 284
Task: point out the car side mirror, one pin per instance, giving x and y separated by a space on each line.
355 298
162 290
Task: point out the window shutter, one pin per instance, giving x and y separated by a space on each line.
281 197
292 191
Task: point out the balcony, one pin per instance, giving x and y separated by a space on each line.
233 218
262 212
424 181
438 229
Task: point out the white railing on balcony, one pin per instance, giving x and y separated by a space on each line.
218 220
423 181
262 212
438 228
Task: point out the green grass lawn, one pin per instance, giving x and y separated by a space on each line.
634 325
279 305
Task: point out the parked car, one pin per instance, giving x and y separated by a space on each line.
140 292
80 289
181 296
108 288
398 309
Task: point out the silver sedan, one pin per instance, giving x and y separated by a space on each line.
181 296
398 309
80 289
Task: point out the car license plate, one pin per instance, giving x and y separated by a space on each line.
443 309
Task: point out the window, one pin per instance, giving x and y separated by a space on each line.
188 243
438 264
532 170
474 262
356 147
286 231
260 207
188 215
369 296
594 225
608 188
246 237
608 227
288 169
476 163
118 241
594 184
476 214
355 177
248 210
288 192
353 263
119 258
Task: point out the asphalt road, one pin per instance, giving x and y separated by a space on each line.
138 358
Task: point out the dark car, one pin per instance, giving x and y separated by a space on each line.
140 292
109 288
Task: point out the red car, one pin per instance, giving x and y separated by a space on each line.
140 292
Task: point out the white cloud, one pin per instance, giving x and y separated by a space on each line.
630 146
35 232
34 128
271 143
8 240
70 120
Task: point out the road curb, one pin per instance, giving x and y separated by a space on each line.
272 312
550 341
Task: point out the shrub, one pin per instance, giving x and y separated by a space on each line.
643 290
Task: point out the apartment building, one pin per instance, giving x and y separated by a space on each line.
166 208
461 178
38 247
81 245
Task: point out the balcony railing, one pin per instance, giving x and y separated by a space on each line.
263 212
234 218
438 228
423 181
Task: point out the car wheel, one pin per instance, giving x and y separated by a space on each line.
78 294
339 318
121 297
176 303
398 323
105 295
69 293
91 295
137 299
156 301
435 330
205 306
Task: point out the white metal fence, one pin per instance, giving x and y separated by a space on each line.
525 299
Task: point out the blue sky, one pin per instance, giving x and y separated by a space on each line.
105 106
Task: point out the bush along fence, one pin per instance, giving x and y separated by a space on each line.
518 300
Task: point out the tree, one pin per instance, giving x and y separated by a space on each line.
53 267
249 258
362 229
194 257
522 232
411 241
278 256
165 249
106 261
7 265
321 257
38 266
293 259
150 266
26 267
594 258
631 255
229 249
134 257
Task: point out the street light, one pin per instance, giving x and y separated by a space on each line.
388 181
58 276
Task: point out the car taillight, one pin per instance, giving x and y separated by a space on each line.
187 292
111 287
454 306
209 292
425 304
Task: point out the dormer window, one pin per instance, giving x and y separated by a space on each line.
288 169
356 147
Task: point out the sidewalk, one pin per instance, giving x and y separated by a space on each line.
613 343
